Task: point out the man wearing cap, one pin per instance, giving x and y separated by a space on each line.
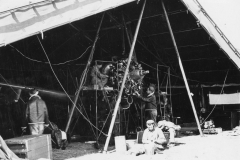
153 138
36 113
150 104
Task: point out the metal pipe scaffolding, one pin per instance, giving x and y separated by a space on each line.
123 82
44 91
83 77
181 67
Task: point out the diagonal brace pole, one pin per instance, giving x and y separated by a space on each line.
181 67
84 74
124 80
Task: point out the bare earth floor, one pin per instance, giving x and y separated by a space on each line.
223 146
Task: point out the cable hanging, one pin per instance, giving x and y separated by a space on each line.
64 89
48 62
218 98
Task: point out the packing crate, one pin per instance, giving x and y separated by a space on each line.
31 147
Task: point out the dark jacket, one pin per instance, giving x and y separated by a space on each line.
36 110
150 102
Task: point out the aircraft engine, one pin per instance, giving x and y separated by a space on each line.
133 83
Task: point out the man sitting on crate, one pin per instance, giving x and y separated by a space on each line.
167 126
36 113
152 139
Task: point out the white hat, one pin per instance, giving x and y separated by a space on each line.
150 122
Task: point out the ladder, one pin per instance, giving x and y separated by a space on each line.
165 109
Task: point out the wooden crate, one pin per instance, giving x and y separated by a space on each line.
31 147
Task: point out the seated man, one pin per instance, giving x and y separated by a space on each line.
153 138
170 127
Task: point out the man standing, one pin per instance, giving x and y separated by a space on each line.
150 104
153 138
36 113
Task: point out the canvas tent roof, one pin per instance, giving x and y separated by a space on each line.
221 20
21 19
203 61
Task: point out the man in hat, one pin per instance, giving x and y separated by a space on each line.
152 141
153 138
36 113
150 104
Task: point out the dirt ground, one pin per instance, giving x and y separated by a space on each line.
223 146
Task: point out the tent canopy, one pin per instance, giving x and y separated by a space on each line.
221 20
210 51
207 57
21 19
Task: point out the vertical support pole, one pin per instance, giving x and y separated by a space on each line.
181 67
123 82
159 98
83 77
141 109
170 92
96 103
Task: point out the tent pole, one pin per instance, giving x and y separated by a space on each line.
84 74
181 67
159 98
123 83
170 92
129 39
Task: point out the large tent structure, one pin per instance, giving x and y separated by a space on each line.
54 37
25 19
